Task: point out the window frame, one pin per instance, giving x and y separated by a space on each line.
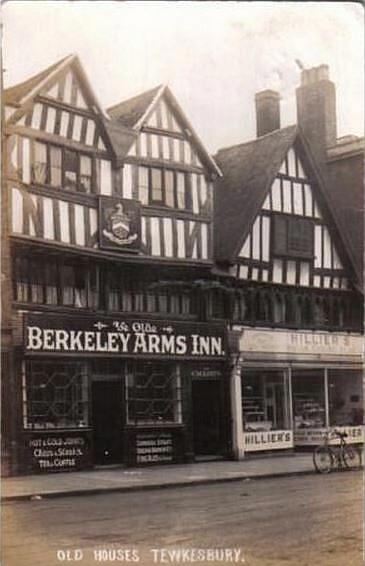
48 175
149 395
74 393
175 193
46 278
290 224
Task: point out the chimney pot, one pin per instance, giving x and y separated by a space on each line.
267 111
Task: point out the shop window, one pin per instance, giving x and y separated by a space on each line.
153 393
345 398
265 401
308 398
293 236
55 395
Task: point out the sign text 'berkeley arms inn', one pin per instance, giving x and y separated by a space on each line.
45 334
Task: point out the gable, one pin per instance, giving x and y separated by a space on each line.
290 242
163 118
68 89
47 117
61 104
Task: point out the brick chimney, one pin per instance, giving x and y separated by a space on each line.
316 108
267 112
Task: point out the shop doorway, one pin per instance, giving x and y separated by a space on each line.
107 421
207 407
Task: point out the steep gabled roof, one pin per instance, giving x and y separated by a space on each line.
132 113
23 93
13 95
248 171
129 112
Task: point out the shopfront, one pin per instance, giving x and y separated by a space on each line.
289 387
113 391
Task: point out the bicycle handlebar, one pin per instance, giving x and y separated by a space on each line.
337 433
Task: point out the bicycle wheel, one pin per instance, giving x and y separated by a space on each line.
351 457
323 459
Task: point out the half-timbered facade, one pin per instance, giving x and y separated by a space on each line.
111 342
295 300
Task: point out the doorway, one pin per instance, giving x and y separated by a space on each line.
207 408
107 421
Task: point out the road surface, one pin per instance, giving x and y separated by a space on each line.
294 521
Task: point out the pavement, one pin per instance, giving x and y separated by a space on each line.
119 479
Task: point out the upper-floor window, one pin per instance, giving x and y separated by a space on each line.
293 236
164 187
63 168
50 283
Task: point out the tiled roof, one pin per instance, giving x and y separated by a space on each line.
13 95
248 171
120 137
130 111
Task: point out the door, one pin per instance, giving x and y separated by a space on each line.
207 407
107 421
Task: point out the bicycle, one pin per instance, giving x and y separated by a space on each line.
344 456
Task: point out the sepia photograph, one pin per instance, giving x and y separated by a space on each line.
182 283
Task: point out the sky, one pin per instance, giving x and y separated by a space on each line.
213 55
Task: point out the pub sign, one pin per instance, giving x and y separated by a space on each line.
119 224
126 337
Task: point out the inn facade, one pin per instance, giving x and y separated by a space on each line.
112 353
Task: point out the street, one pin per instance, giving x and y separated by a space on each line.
303 521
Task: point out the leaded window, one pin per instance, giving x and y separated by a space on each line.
62 168
55 395
153 393
39 167
51 283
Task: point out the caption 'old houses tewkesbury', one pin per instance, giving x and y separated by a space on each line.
161 305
